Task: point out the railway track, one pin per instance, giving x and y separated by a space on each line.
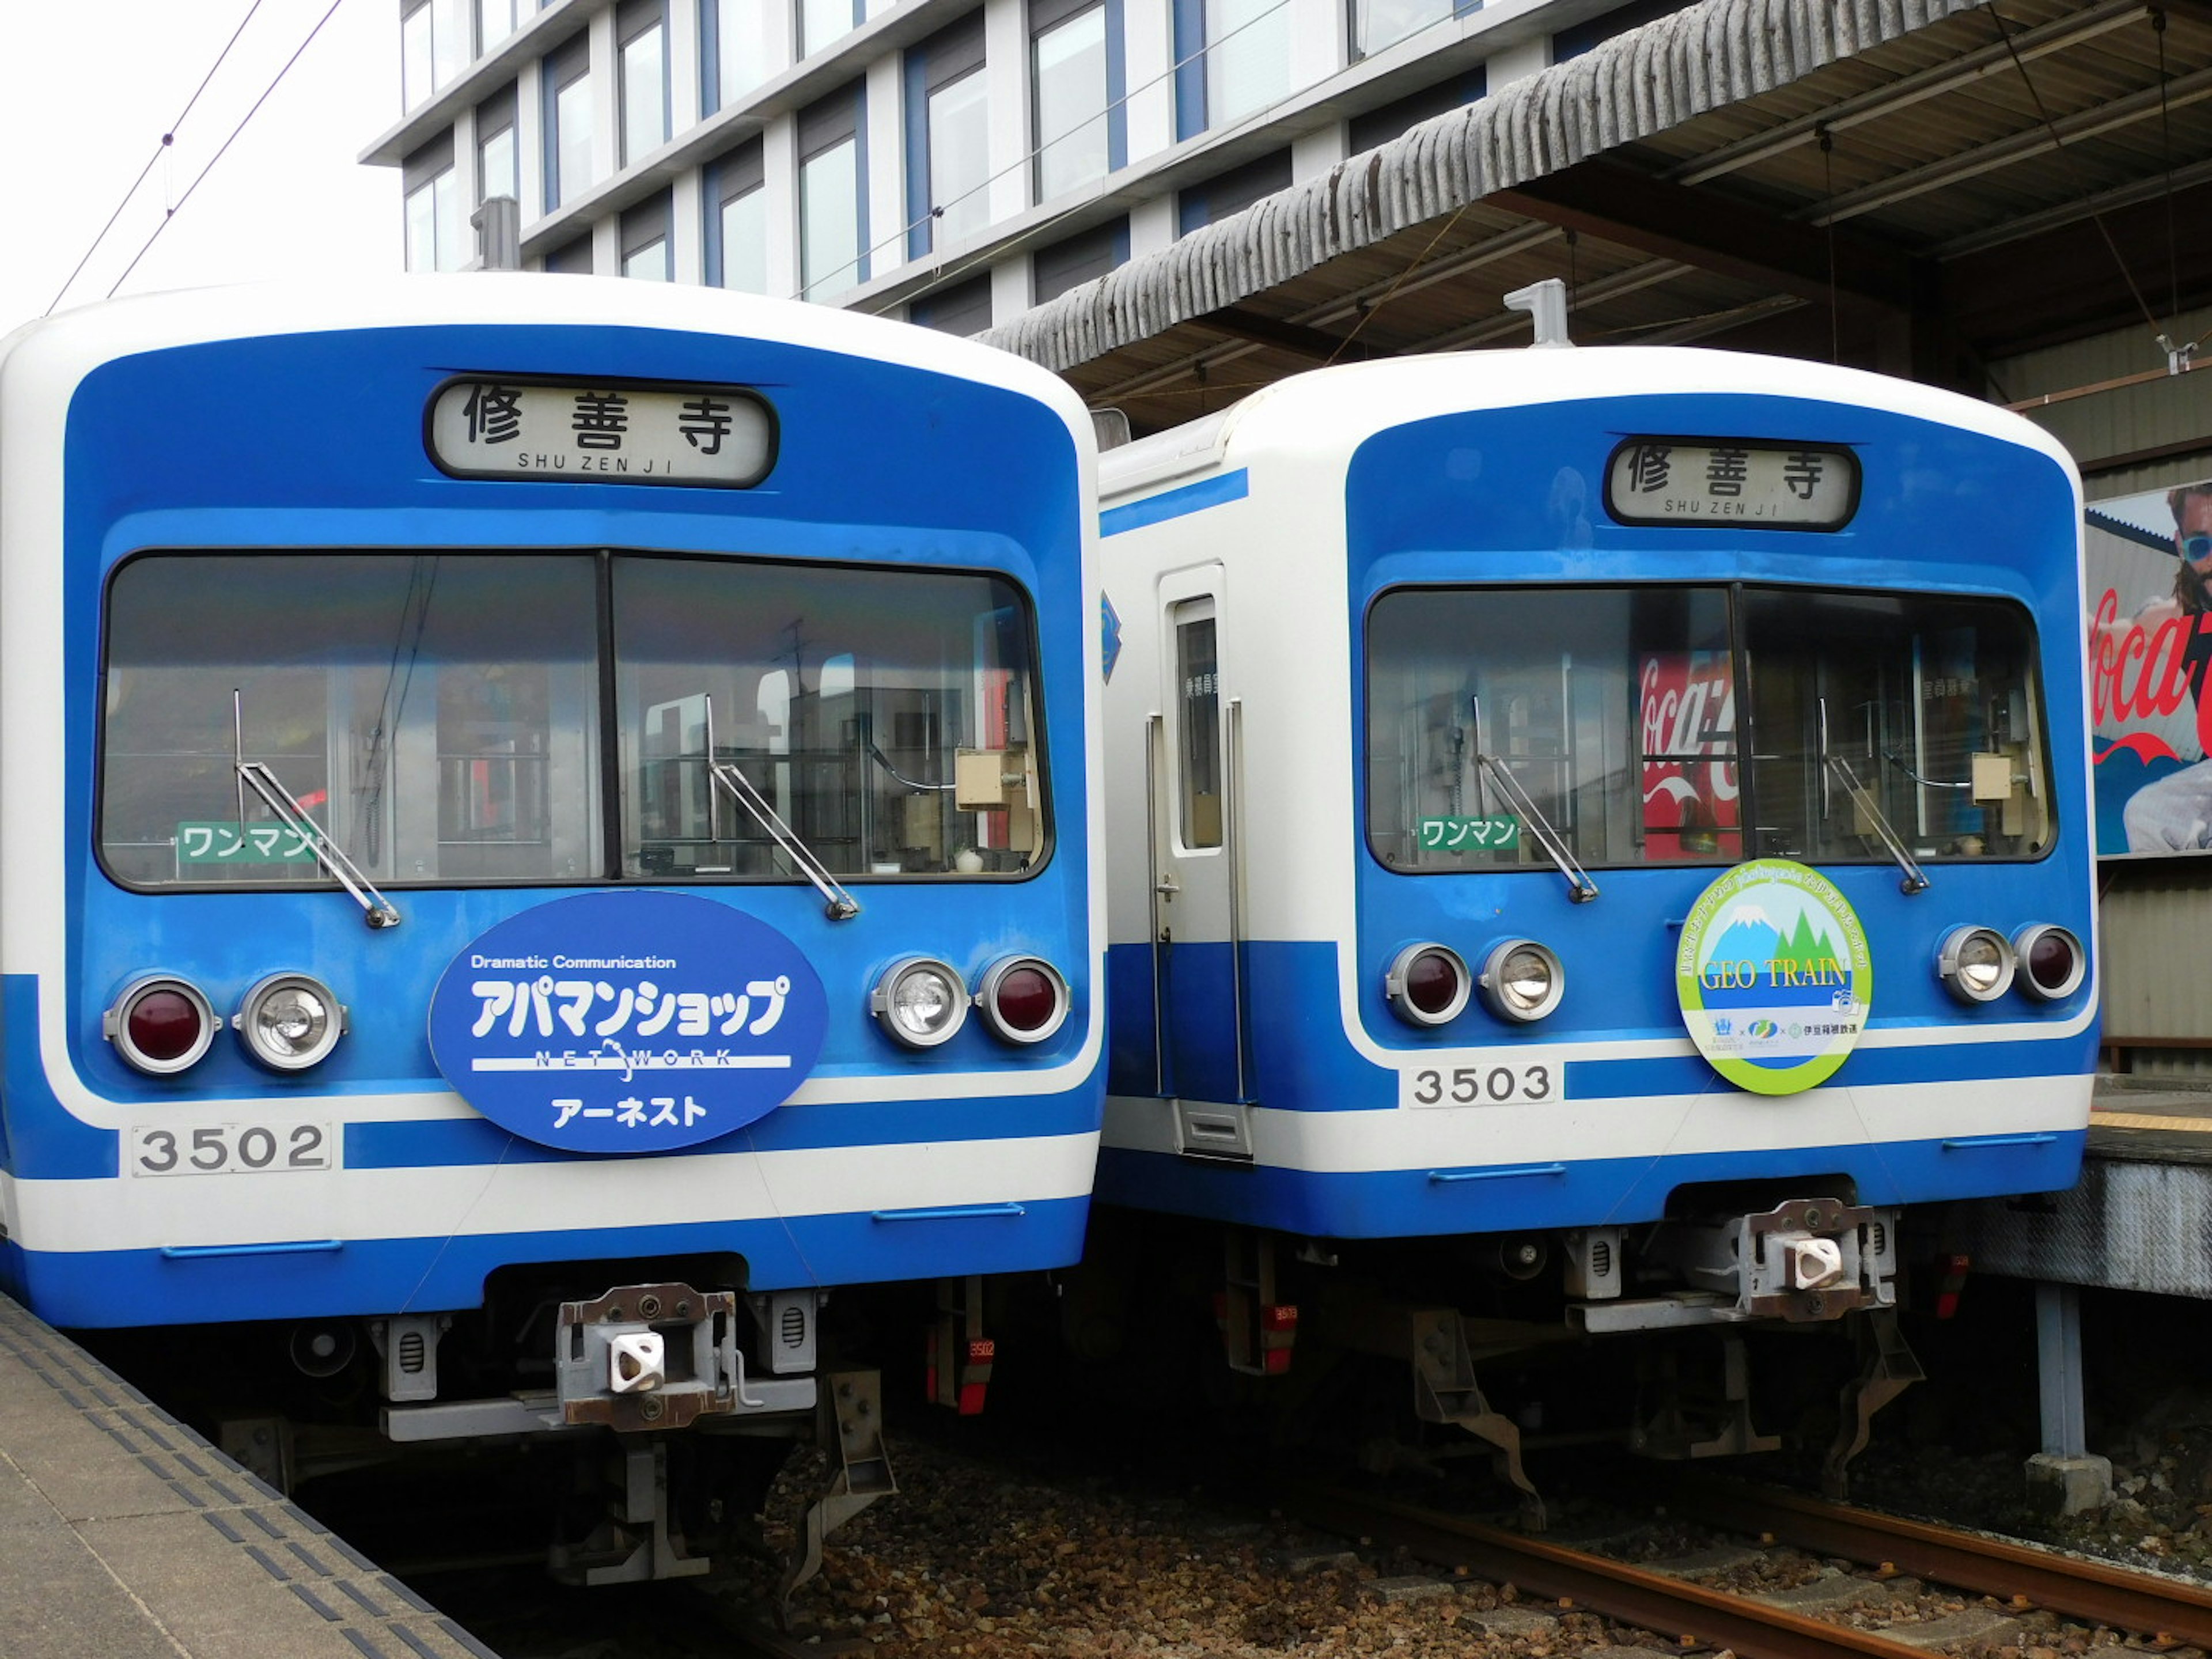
2096 1592
1698 1614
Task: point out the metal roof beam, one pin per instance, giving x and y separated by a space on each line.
1977 66
1315 342
1671 221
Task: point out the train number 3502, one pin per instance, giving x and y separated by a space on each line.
230 1149
1479 1085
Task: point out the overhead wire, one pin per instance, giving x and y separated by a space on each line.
2058 146
200 177
168 138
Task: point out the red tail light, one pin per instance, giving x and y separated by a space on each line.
2052 963
161 1025
1024 999
1427 985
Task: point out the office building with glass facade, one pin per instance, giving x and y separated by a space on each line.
947 161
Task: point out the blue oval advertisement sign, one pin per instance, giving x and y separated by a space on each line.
635 1022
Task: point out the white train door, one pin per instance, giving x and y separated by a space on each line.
1198 965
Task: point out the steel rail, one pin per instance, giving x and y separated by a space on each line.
1670 1607
2145 1604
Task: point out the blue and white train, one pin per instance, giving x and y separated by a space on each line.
1594 836
549 830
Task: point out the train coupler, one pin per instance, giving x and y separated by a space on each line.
959 1357
851 1417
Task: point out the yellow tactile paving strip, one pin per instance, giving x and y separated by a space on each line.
2101 1120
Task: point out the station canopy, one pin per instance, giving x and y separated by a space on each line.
1925 187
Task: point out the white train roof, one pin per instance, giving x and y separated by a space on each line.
58 352
1334 409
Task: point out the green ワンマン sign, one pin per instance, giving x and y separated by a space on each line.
1774 976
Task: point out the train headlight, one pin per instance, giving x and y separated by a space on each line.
1975 963
1023 998
1427 985
290 1022
1523 980
2052 963
920 1001
161 1025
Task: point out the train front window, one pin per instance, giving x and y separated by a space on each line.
1678 725
885 716
437 716
1913 714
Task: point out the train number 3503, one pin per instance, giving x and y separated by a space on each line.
1479 1085
230 1149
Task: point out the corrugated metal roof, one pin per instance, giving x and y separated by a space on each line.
1627 89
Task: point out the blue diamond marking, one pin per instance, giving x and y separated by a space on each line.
1110 635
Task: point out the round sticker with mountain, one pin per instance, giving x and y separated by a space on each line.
1774 976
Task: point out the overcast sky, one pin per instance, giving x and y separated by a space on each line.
93 86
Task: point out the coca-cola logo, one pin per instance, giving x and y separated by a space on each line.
2140 673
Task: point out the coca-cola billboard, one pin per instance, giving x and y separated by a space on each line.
2150 640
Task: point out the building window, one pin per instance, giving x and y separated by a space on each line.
434 37
495 21
1232 56
1078 260
1076 77
821 21
734 52
1583 37
948 138
567 77
832 195
572 259
963 309
433 207
645 251
641 60
1379 23
737 222
497 165
1232 192
1379 126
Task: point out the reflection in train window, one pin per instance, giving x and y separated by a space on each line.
440 717
1622 720
437 714
884 716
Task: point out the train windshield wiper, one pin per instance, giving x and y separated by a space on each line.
1580 888
723 778
1916 879
376 909
841 905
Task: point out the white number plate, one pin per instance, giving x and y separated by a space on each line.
232 1149
1499 1084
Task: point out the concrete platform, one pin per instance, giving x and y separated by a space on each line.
2139 1219
124 1535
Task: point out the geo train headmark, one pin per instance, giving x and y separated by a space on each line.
628 1021
1774 976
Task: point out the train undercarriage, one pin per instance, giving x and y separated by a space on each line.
1713 1333
646 1421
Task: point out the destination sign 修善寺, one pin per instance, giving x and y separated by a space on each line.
1662 481
482 427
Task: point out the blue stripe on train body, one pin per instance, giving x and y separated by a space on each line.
315 442
1513 496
